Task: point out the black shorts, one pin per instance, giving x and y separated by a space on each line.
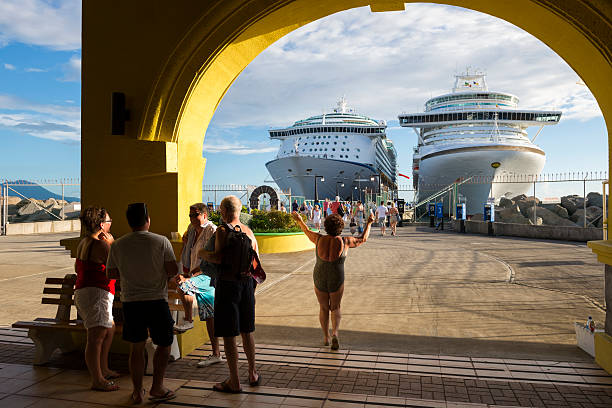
149 317
234 307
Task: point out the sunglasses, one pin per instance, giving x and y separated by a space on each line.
109 220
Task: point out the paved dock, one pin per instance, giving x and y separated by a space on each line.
429 319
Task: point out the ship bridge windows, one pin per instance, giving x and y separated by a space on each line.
484 116
326 129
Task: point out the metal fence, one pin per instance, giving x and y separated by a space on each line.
214 193
549 189
38 193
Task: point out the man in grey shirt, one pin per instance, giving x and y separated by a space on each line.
144 262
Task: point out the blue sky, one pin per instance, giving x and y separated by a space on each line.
384 63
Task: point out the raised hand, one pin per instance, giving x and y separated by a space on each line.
370 218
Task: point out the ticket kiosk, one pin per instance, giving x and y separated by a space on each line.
461 216
488 216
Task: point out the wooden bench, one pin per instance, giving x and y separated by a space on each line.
50 334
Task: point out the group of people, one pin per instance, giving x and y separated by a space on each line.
385 214
143 265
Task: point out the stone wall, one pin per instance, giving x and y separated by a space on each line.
42 227
534 231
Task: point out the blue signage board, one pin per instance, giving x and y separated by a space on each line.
431 209
439 210
461 215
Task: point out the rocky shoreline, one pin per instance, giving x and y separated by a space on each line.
22 210
570 212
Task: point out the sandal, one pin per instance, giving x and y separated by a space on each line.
168 395
140 399
256 382
106 387
224 387
335 343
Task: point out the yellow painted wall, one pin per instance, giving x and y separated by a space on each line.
175 61
277 244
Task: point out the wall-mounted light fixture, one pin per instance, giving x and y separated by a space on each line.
119 115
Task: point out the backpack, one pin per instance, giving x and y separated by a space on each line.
238 255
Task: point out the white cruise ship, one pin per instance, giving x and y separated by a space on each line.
343 151
473 132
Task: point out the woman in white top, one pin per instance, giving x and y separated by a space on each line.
316 216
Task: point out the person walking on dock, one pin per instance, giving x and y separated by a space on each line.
381 214
328 275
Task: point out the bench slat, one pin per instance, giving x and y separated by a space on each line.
60 281
58 291
52 301
116 304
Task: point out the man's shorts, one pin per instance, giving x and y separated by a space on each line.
381 220
199 287
234 307
149 317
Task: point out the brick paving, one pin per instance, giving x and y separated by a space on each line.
351 381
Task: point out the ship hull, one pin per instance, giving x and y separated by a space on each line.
443 169
296 174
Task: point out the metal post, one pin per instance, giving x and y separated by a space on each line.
535 218
63 203
604 222
5 207
215 203
584 200
2 209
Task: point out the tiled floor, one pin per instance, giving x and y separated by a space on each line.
538 372
318 377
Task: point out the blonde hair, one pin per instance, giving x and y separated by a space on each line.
232 205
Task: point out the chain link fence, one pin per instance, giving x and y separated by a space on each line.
39 200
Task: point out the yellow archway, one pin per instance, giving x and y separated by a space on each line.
174 61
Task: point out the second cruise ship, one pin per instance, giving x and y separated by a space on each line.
343 153
478 134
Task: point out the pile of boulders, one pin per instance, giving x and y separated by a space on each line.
570 212
34 210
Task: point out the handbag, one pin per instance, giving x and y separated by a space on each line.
257 272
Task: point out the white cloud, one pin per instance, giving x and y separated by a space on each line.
53 122
72 69
216 146
388 63
54 24
35 70
10 67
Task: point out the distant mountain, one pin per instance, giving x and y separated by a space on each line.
33 190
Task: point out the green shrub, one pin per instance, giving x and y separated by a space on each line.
215 217
273 221
263 221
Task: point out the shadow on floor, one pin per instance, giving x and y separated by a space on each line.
387 342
